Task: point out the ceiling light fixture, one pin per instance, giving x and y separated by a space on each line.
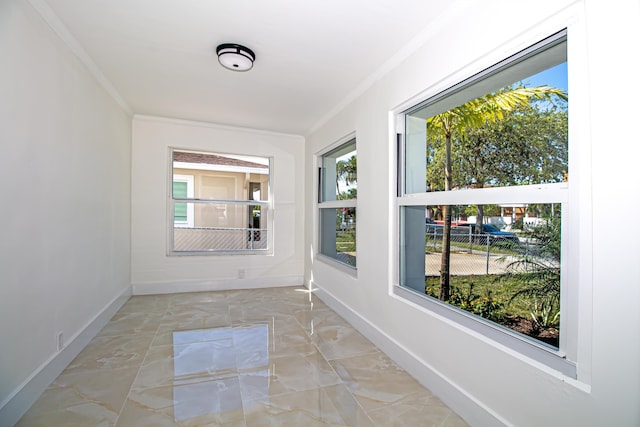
235 57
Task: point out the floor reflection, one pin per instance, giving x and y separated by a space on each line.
261 357
217 353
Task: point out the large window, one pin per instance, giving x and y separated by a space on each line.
219 203
338 192
483 203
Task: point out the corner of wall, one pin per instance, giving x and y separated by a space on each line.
15 406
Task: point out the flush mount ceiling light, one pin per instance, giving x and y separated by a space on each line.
235 57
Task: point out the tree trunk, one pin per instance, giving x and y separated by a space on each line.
479 219
478 239
445 288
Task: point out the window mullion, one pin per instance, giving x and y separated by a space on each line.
338 204
542 193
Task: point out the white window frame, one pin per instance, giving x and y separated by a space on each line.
191 199
332 204
576 220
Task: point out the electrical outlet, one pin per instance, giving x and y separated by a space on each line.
60 340
241 274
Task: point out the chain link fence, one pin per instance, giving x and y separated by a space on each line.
194 239
479 253
346 245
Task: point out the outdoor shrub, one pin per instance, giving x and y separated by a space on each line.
544 313
538 276
489 307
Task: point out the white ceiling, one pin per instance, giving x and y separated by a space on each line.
311 55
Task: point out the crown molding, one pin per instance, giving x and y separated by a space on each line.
51 19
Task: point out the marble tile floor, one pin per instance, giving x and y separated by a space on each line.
265 357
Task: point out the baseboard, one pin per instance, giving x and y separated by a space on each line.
18 402
473 411
215 285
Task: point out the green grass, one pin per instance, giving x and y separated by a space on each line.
499 287
345 242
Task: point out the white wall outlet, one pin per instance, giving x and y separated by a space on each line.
60 340
241 273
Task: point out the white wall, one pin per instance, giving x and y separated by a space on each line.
65 173
155 272
486 383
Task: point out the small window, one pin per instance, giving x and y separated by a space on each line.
183 189
483 195
338 191
219 203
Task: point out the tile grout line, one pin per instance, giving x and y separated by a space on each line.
341 382
124 403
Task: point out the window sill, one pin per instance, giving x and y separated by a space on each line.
345 268
539 352
260 252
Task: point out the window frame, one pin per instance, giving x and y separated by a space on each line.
564 359
266 205
322 204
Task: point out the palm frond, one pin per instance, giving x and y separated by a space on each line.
490 108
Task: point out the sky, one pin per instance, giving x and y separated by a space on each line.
554 76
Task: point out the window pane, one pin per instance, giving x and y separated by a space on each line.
226 213
340 173
507 128
338 234
222 176
223 227
506 271
180 191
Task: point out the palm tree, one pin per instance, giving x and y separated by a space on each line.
346 170
474 114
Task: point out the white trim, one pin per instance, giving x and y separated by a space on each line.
191 199
338 204
433 27
565 18
220 168
319 185
580 280
340 141
465 405
25 395
56 25
346 268
539 354
517 194
194 123
539 193
174 287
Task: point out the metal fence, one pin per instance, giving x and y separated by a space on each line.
195 239
478 254
346 245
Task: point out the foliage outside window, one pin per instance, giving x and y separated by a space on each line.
485 171
219 203
337 203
